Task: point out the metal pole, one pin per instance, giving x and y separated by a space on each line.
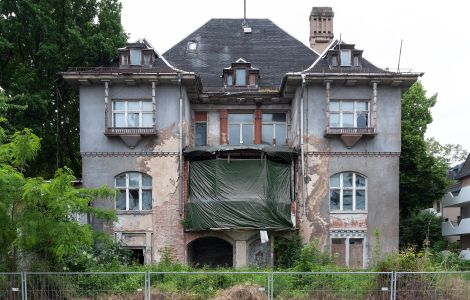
302 144
25 282
394 287
180 183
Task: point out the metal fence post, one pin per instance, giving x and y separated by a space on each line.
394 287
271 290
24 292
149 288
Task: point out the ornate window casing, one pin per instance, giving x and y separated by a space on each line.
134 192
241 75
348 192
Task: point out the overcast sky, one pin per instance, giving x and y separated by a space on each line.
435 39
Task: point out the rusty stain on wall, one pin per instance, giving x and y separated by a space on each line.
348 221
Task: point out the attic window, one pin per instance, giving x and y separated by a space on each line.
136 58
356 60
192 46
345 58
334 60
241 74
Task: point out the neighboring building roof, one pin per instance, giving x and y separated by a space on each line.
221 42
465 170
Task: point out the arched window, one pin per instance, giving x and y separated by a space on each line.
134 191
348 192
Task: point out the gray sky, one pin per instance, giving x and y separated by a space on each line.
435 39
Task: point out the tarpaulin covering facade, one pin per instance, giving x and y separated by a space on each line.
235 194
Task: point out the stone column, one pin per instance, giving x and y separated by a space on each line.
240 254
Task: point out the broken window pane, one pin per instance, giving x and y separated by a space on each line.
360 199
133 120
347 200
334 199
146 200
133 199
360 180
133 179
347 179
121 200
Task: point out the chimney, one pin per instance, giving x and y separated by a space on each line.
321 28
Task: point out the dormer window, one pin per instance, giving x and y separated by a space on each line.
345 58
334 60
136 58
124 59
137 54
356 60
241 74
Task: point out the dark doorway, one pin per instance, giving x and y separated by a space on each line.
210 251
137 256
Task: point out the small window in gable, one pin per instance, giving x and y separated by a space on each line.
192 45
241 74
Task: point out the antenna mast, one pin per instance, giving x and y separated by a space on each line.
399 56
244 24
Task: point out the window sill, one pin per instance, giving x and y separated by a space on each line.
133 212
340 212
143 131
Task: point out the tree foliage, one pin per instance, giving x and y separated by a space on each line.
39 39
423 178
37 217
451 154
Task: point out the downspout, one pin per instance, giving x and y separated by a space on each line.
302 154
180 177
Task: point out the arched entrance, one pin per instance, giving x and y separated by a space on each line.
210 251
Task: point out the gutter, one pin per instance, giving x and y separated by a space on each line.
302 154
180 136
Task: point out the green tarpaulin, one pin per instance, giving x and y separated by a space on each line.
235 194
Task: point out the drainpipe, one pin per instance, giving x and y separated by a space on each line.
180 179
302 154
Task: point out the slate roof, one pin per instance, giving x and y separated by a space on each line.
465 170
221 42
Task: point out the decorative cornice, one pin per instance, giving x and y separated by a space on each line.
128 154
354 154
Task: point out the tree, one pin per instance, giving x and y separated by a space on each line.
37 216
39 39
451 154
423 178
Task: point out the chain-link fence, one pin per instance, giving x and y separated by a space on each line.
432 285
89 285
235 285
332 285
11 286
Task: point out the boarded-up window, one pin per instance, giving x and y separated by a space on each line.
355 253
338 250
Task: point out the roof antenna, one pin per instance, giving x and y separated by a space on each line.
246 28
399 56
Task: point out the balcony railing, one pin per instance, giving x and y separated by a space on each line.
131 131
463 199
456 228
350 130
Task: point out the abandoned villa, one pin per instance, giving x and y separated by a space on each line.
240 135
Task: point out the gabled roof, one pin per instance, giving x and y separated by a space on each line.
220 42
465 170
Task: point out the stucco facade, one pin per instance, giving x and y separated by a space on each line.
193 95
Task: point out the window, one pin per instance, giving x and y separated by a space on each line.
240 129
192 45
345 58
132 113
136 56
229 79
200 128
240 77
134 191
252 79
274 131
348 192
334 60
348 251
124 59
147 61
356 60
349 114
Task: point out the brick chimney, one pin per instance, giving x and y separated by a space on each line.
321 28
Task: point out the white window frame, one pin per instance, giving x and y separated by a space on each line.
126 112
127 188
274 123
352 188
241 128
355 112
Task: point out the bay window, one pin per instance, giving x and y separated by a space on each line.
132 114
349 114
